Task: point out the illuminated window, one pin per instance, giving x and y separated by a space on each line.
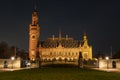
59 53
76 53
85 56
73 54
65 53
54 53
69 53
50 53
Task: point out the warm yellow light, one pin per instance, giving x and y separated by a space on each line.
12 58
33 59
107 58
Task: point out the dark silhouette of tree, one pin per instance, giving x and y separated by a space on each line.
65 60
4 53
7 51
80 60
117 55
12 51
38 59
53 60
99 55
22 54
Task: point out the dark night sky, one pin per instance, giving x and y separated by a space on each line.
100 20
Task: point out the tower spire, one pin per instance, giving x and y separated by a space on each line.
35 16
60 36
35 7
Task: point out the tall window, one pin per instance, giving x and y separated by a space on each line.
69 54
59 53
65 53
85 56
72 53
50 53
76 53
54 53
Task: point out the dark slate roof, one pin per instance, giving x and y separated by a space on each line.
67 43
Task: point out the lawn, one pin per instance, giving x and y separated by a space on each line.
59 73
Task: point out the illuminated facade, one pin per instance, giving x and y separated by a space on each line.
57 48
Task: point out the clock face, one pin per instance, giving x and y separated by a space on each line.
33 37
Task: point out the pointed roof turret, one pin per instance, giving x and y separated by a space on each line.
85 36
85 41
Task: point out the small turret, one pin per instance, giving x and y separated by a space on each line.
53 37
84 37
66 37
85 41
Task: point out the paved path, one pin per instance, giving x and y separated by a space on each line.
10 69
107 70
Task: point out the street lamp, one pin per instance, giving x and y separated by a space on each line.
107 58
12 58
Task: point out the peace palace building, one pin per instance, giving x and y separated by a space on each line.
58 48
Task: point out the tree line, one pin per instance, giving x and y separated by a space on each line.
100 54
7 51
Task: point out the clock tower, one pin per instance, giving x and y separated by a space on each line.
34 33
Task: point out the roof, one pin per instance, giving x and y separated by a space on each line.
65 42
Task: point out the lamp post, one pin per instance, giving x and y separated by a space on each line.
12 58
107 58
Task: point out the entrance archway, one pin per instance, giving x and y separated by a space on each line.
113 64
5 64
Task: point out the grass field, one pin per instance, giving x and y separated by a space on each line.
59 73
